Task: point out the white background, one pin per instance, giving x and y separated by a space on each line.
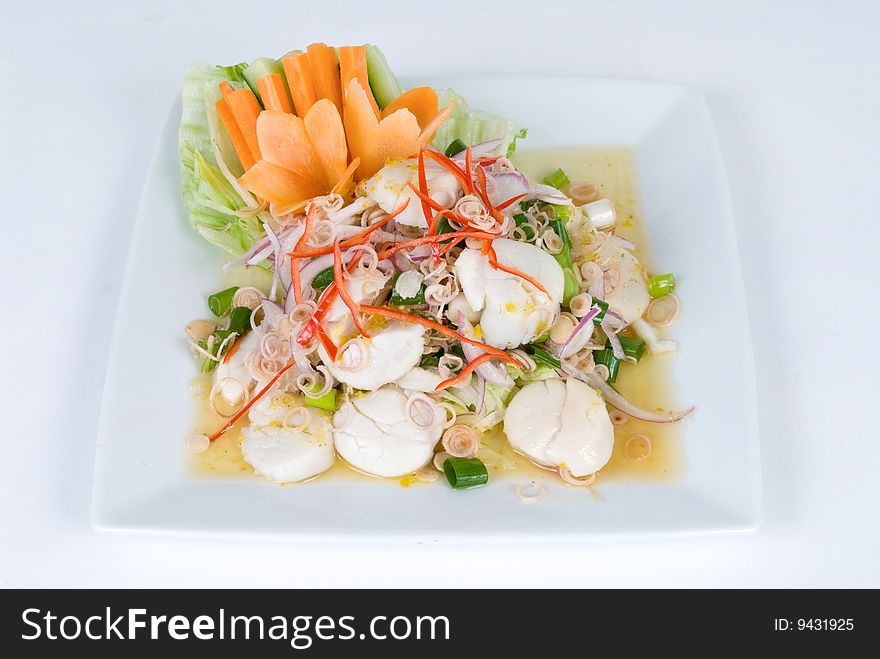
794 89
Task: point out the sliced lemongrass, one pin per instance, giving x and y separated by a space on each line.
663 311
638 447
530 492
197 443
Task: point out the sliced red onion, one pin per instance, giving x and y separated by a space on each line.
276 245
480 150
612 339
491 372
271 310
622 242
506 186
586 320
611 396
549 194
481 394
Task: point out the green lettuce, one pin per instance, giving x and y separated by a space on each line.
474 126
209 197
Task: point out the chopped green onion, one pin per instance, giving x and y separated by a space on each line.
559 228
323 279
661 285
571 285
603 307
240 320
419 297
632 348
220 335
543 356
220 302
456 146
325 402
456 349
464 473
431 359
557 179
606 357
521 221
443 226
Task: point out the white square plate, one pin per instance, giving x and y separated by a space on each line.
142 481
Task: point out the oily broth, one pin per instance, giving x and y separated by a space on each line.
649 383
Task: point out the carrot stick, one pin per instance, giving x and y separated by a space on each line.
465 374
343 291
245 108
253 400
300 82
272 92
353 64
245 157
325 73
226 88
464 179
442 329
294 262
428 131
357 239
233 349
427 240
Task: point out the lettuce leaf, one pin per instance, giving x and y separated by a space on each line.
474 126
210 199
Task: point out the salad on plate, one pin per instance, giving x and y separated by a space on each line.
420 291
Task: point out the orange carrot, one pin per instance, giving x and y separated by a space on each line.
345 184
353 64
294 263
512 200
427 240
246 109
323 124
465 374
448 164
428 131
278 185
343 291
357 239
442 329
253 400
245 157
273 93
233 349
226 88
421 101
300 82
325 73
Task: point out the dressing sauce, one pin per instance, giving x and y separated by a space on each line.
648 383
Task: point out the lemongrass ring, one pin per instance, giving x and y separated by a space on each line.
581 304
583 193
420 411
602 372
228 387
370 289
530 492
353 355
297 419
440 458
562 329
525 361
611 279
552 241
591 271
409 283
197 443
638 447
663 311
451 414
618 418
576 481
427 474
200 330
461 441
248 296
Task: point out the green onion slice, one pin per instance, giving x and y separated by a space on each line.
456 146
220 302
557 179
464 473
661 285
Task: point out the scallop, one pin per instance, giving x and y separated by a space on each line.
387 355
513 312
389 188
287 454
373 435
558 423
